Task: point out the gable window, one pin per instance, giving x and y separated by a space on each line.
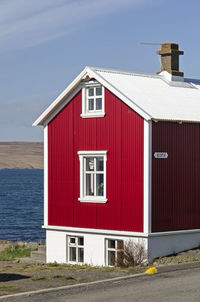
75 249
93 101
93 176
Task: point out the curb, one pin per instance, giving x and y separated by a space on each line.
47 290
161 269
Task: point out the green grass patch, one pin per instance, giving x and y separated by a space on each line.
53 264
14 253
39 278
6 289
9 287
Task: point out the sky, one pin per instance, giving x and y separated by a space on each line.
45 44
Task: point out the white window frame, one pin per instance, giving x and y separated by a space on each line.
75 245
94 113
116 250
83 197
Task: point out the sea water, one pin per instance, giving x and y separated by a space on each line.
21 205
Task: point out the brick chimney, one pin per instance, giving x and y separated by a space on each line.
170 58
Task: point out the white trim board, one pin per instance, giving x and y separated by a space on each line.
147 176
180 232
94 231
118 233
46 175
61 105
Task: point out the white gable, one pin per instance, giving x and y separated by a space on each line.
151 96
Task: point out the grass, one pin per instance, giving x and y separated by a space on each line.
13 253
53 264
38 278
7 289
56 277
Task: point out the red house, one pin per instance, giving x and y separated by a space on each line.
122 162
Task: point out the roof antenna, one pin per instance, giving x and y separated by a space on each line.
149 43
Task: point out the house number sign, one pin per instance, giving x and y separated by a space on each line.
161 155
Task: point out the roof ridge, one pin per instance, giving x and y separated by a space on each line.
132 73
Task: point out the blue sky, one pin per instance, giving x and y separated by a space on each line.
45 44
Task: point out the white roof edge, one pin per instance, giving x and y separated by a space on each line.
42 117
93 72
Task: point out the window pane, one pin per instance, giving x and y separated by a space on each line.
99 91
90 164
80 241
91 104
91 91
120 258
111 257
99 184
72 240
89 184
99 164
99 104
111 244
80 255
119 244
72 254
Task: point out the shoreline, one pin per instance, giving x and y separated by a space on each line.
6 244
21 155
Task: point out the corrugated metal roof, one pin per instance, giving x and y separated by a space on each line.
152 96
160 98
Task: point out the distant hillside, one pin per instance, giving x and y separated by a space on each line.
21 155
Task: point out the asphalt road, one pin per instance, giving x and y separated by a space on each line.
180 285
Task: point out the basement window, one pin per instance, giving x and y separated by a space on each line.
75 249
113 251
93 101
93 176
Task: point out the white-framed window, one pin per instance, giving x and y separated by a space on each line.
75 246
93 100
113 251
93 176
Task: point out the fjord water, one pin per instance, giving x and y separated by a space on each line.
21 205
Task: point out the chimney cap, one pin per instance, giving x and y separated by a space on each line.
170 48
170 58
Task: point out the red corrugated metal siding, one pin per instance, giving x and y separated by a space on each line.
176 180
120 132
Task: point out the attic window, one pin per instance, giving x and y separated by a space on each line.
93 102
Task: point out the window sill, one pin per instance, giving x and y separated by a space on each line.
93 200
93 115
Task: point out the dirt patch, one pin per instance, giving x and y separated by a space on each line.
20 277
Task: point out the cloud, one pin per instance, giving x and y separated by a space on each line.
29 23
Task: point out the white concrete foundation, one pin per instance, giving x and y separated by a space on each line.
157 244
94 246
